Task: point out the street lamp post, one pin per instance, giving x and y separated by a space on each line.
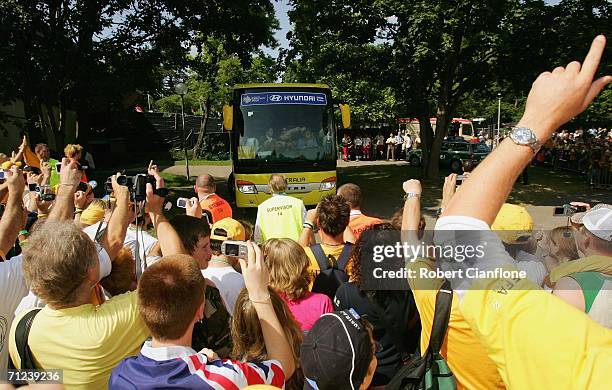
181 89
498 118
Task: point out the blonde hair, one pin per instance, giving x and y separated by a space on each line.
72 150
563 238
247 337
277 183
56 262
288 264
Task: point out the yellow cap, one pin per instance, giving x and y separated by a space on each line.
92 214
514 223
227 229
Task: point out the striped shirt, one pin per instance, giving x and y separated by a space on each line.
182 367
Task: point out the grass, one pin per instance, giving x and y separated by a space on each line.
381 186
205 162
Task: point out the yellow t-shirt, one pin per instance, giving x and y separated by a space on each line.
313 268
465 355
87 342
537 340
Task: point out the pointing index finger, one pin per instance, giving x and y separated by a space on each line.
591 61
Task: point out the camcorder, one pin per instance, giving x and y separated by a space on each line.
234 248
44 192
567 210
137 185
459 180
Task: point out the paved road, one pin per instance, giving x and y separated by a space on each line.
381 186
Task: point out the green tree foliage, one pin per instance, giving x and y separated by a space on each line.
95 56
436 58
333 42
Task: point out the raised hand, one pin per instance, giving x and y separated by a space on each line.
193 208
450 186
412 186
558 96
69 173
15 181
255 273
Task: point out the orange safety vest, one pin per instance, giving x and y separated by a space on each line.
360 222
217 207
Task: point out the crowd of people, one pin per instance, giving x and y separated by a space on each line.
362 147
586 152
210 301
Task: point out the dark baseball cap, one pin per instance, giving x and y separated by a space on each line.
336 352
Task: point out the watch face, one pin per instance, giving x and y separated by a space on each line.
522 135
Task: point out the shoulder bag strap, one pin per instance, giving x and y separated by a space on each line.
444 300
320 256
344 256
22 332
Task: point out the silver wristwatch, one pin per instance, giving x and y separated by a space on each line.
411 195
525 136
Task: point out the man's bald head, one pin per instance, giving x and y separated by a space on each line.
206 183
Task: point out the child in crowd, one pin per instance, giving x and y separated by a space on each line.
247 338
289 276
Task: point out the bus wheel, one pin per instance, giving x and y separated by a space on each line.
415 161
455 166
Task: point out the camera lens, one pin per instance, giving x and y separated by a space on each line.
122 180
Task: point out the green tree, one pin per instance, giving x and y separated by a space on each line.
94 56
333 42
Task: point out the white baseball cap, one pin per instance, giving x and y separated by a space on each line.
599 222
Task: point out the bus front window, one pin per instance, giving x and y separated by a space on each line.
286 132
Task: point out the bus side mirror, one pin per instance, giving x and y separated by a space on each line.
345 110
228 117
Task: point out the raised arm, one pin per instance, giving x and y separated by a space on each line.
256 280
114 236
555 98
307 235
169 240
412 205
12 219
70 176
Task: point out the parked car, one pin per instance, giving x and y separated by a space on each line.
454 153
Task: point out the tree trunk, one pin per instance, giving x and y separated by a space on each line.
197 149
442 122
426 134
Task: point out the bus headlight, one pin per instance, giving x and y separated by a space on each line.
246 187
328 184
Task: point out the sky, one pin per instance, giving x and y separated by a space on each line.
281 7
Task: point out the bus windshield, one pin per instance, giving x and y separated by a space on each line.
286 132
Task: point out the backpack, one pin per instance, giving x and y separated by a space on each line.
329 279
430 371
22 332
214 330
